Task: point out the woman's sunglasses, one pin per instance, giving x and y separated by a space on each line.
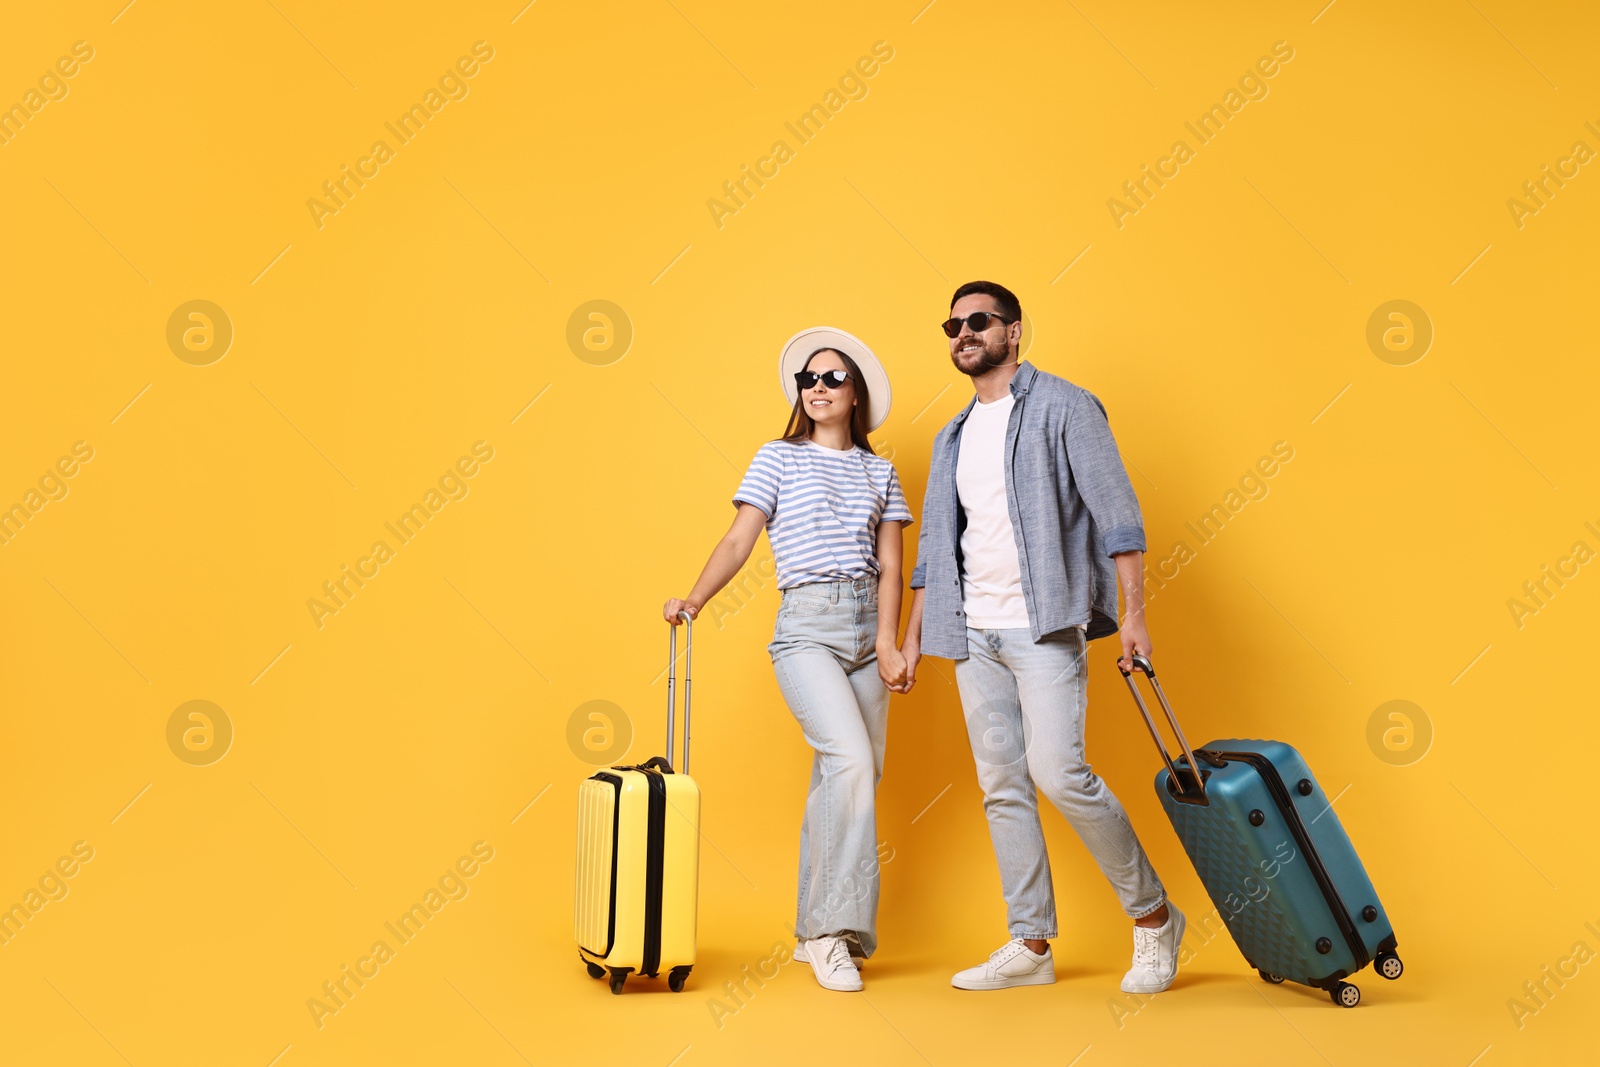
977 322
833 379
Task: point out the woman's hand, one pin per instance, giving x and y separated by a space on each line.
892 669
674 605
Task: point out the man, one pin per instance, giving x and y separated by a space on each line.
1029 523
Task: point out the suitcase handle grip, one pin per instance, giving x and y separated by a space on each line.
672 681
1142 663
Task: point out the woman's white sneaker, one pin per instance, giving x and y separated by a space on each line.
852 942
830 960
1011 964
1155 955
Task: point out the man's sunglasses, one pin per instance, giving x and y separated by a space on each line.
833 379
977 322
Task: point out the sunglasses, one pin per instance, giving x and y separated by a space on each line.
833 379
977 322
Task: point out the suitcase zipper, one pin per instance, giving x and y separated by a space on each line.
655 862
1280 795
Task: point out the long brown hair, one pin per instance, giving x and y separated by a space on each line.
800 421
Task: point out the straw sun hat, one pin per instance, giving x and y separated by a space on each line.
799 348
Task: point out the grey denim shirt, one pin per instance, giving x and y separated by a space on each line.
1071 505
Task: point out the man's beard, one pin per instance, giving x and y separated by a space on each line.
989 357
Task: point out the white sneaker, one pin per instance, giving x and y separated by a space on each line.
830 959
852 942
1012 964
1155 955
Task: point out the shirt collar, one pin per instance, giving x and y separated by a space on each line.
1020 382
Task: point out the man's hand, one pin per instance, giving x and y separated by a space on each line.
912 651
1135 640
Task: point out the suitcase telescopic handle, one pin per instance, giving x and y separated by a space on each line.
672 681
1142 663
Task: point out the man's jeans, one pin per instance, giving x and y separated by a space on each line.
824 651
1025 704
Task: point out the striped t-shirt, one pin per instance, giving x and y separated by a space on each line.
823 507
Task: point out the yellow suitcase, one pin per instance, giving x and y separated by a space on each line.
638 858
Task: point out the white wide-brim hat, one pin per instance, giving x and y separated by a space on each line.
798 349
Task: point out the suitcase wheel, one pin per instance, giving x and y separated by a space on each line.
1345 995
676 977
617 978
1389 965
1268 976
595 970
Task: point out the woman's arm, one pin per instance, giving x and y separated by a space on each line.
726 559
891 664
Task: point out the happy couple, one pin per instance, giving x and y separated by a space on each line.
1030 526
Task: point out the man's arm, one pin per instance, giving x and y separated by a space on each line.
1106 489
911 647
1135 637
1101 478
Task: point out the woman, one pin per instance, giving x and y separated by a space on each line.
833 512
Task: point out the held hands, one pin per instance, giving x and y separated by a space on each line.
898 666
892 669
675 605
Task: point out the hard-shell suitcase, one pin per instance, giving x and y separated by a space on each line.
638 858
1273 857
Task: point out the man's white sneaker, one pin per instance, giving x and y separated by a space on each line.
1155 955
830 960
851 942
1009 965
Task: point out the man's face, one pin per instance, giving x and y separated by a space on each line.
977 353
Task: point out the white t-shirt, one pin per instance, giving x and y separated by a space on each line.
991 576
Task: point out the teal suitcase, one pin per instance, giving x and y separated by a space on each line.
1273 857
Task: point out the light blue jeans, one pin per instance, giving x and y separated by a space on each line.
824 650
1025 704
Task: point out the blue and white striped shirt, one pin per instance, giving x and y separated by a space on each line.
823 507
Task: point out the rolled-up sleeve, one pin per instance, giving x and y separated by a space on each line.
930 520
1101 478
919 573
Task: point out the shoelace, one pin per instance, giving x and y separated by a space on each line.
1145 947
838 954
1005 952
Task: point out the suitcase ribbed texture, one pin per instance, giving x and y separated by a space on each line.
597 808
1268 917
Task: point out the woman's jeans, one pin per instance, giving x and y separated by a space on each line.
1025 703
824 650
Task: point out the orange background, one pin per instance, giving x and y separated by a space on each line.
430 312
